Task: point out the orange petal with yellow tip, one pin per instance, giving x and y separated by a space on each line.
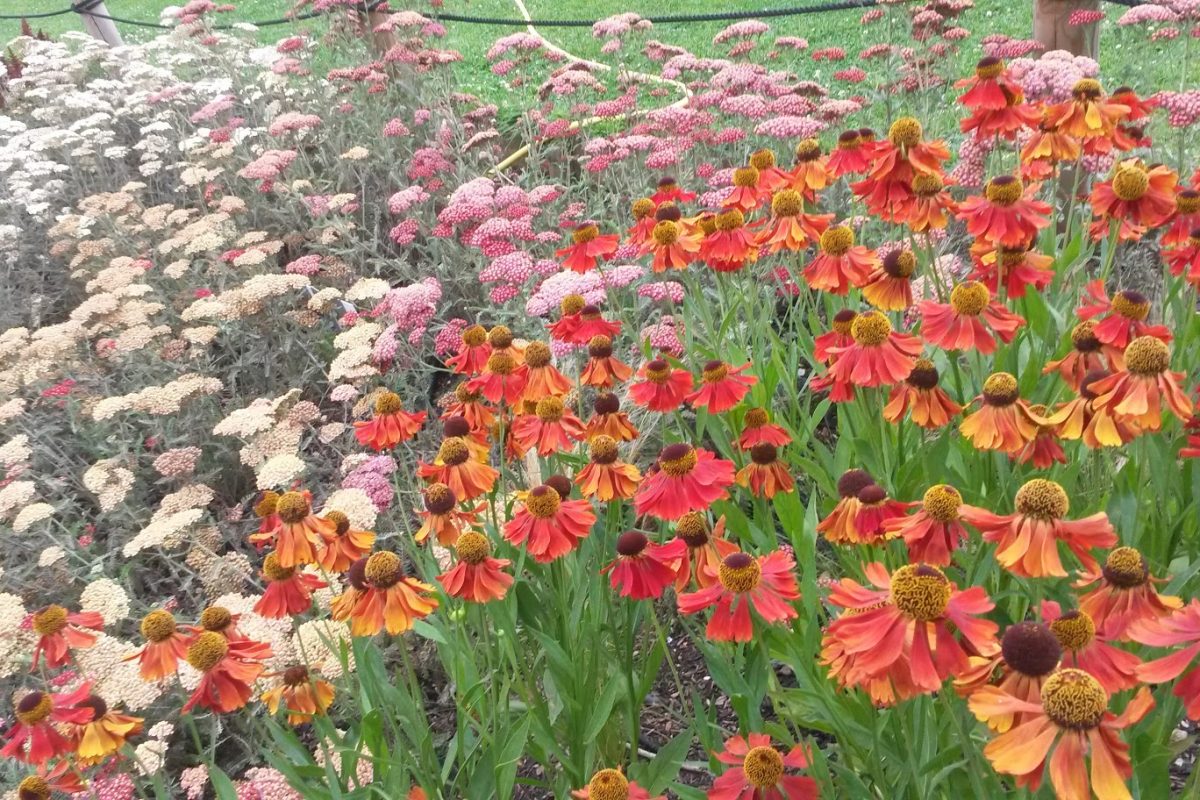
990 702
1108 782
1023 749
1068 770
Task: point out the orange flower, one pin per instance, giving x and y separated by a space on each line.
62 777
879 356
299 533
1184 220
1088 116
902 628
477 577
642 569
851 156
1087 356
219 620
766 584
266 509
810 174
288 592
765 475
989 88
552 428
466 404
1180 628
390 425
1027 540
673 246
936 530
548 524
1073 718
964 322
442 516
1017 269
541 377
105 733
1123 318
789 227
919 396
563 328
839 526
473 353
1086 649
707 547
1004 421
228 667
684 479
59 632
722 387
588 248
165 645
1007 214
603 370
840 264
1137 393
888 286
1046 149
756 772
343 605
1186 256
887 188
1044 451
1124 595
758 429
610 783
41 719
642 210
731 245
770 177
931 205
303 694
610 420
454 467
659 387
668 191
390 599
1082 419
1136 197
747 192
605 477
346 546
501 380
1029 653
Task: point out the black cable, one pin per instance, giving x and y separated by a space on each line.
43 15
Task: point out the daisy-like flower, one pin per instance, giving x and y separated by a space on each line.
920 396
838 335
1085 649
731 245
1073 719
542 379
902 628
1007 214
603 369
721 387
888 286
592 323
1004 421
673 246
502 379
300 532
887 188
1180 628
390 425
390 599
757 428
1088 355
59 632
588 248
218 620
1027 540
707 547
811 172
1010 121
476 577
610 420
1016 269
1046 148
502 340
563 329
472 353
552 428
267 511
840 263
469 405
288 592
228 669
165 645
1045 450
611 784
478 439
765 475
105 733
1124 594
770 177
757 771
840 525
660 387
1185 219
669 191
875 508
1137 393
442 516
879 356
454 467
936 530
62 777
642 211
642 569
1088 116
1121 319
969 320
1082 419
346 546
549 526
747 192
989 88
931 206
766 584
1184 258
606 477
686 479
37 735
302 694
1136 197
1029 653
851 156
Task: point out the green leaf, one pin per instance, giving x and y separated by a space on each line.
222 786
508 757
423 628
658 773
603 709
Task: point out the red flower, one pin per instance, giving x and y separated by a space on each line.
549 525
919 396
879 355
642 569
563 329
931 205
840 525
758 429
811 172
552 428
606 477
466 477
687 479
789 227
288 592
1186 256
1044 451
960 324
840 264
659 387
1122 318
1180 628
1046 148
722 387
588 248
770 177
610 783
1136 197
229 668
442 516
1137 393
875 508
756 772
1006 214
707 547
501 380
390 425
466 404
989 88
165 645
731 245
35 737
1086 649
669 192
1017 269
473 353
592 323
604 370
477 577
643 220
1185 219
1004 420
852 156
747 193
765 475
300 533
887 189
1029 653
673 246
1088 355
936 530
766 584
542 379
1124 595
59 632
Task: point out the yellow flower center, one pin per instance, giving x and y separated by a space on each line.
905 132
464 395
989 68
1147 356
924 374
843 320
274 571
1030 648
763 767
340 522
585 233
900 263
1004 190
1187 201
920 591
34 707
678 459
1074 630
50 620
715 372
658 371
454 451
1130 183
267 504
608 784
808 150
600 346
756 418
383 570
501 363
472 547
665 233
1074 699
871 329
602 449
730 220
474 336
787 203
692 527
158 625
550 409
926 184
1010 259
942 502
1131 305
439 498
33 787
1083 337
970 298
642 207
1000 389
292 507
745 177
574 303
543 502
207 651
762 159
1086 89
837 241
500 337
387 403
537 354
1125 568
215 618
739 573
1042 499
